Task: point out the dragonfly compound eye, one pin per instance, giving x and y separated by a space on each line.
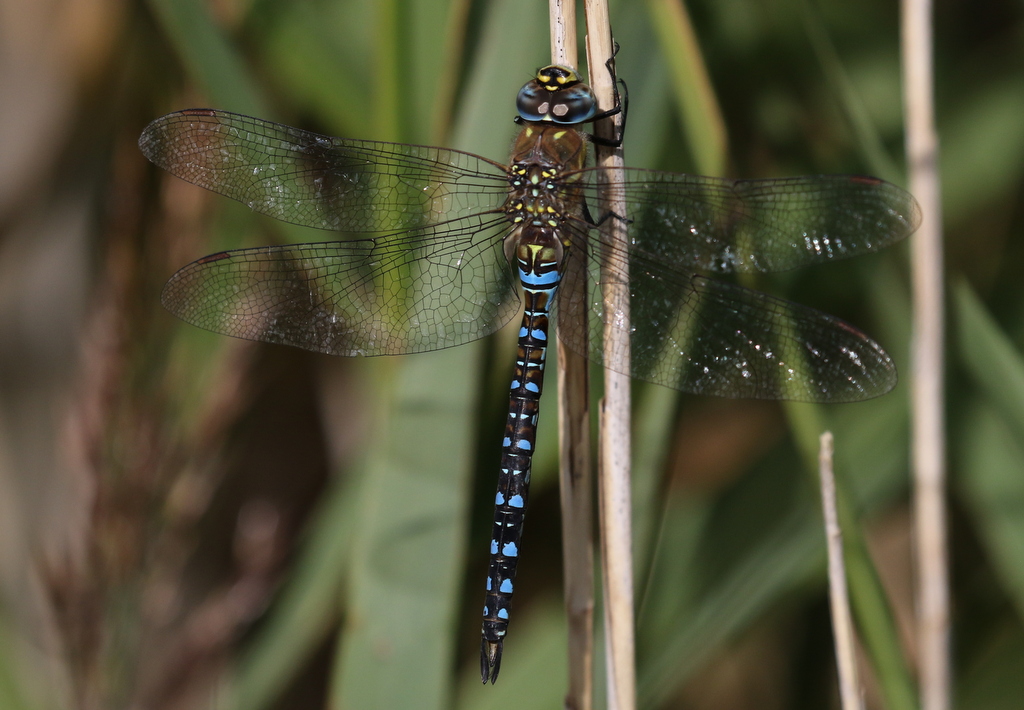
556 95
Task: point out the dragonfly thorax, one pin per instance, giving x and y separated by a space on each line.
536 196
553 146
544 182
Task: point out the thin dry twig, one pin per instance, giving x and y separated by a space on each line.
842 620
615 517
928 403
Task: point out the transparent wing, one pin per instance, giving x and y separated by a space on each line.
436 275
692 223
317 181
694 334
404 292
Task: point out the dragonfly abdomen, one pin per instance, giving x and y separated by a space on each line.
538 256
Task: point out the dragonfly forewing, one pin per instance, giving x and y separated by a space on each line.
305 178
694 223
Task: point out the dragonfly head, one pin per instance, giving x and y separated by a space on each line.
557 95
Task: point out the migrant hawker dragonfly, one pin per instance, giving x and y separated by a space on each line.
449 239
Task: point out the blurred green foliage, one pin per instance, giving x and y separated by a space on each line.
262 528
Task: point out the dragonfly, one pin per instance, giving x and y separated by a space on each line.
439 247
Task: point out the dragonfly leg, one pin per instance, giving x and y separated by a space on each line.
591 223
621 106
609 215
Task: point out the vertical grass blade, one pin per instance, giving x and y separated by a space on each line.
702 119
397 648
208 57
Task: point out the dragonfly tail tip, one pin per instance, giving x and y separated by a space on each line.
490 660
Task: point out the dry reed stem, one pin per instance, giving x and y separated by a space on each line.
576 479
615 510
842 620
928 398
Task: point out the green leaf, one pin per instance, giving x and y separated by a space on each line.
208 56
695 96
988 355
992 436
396 648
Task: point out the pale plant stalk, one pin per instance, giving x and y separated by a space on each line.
928 397
575 467
614 515
839 600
